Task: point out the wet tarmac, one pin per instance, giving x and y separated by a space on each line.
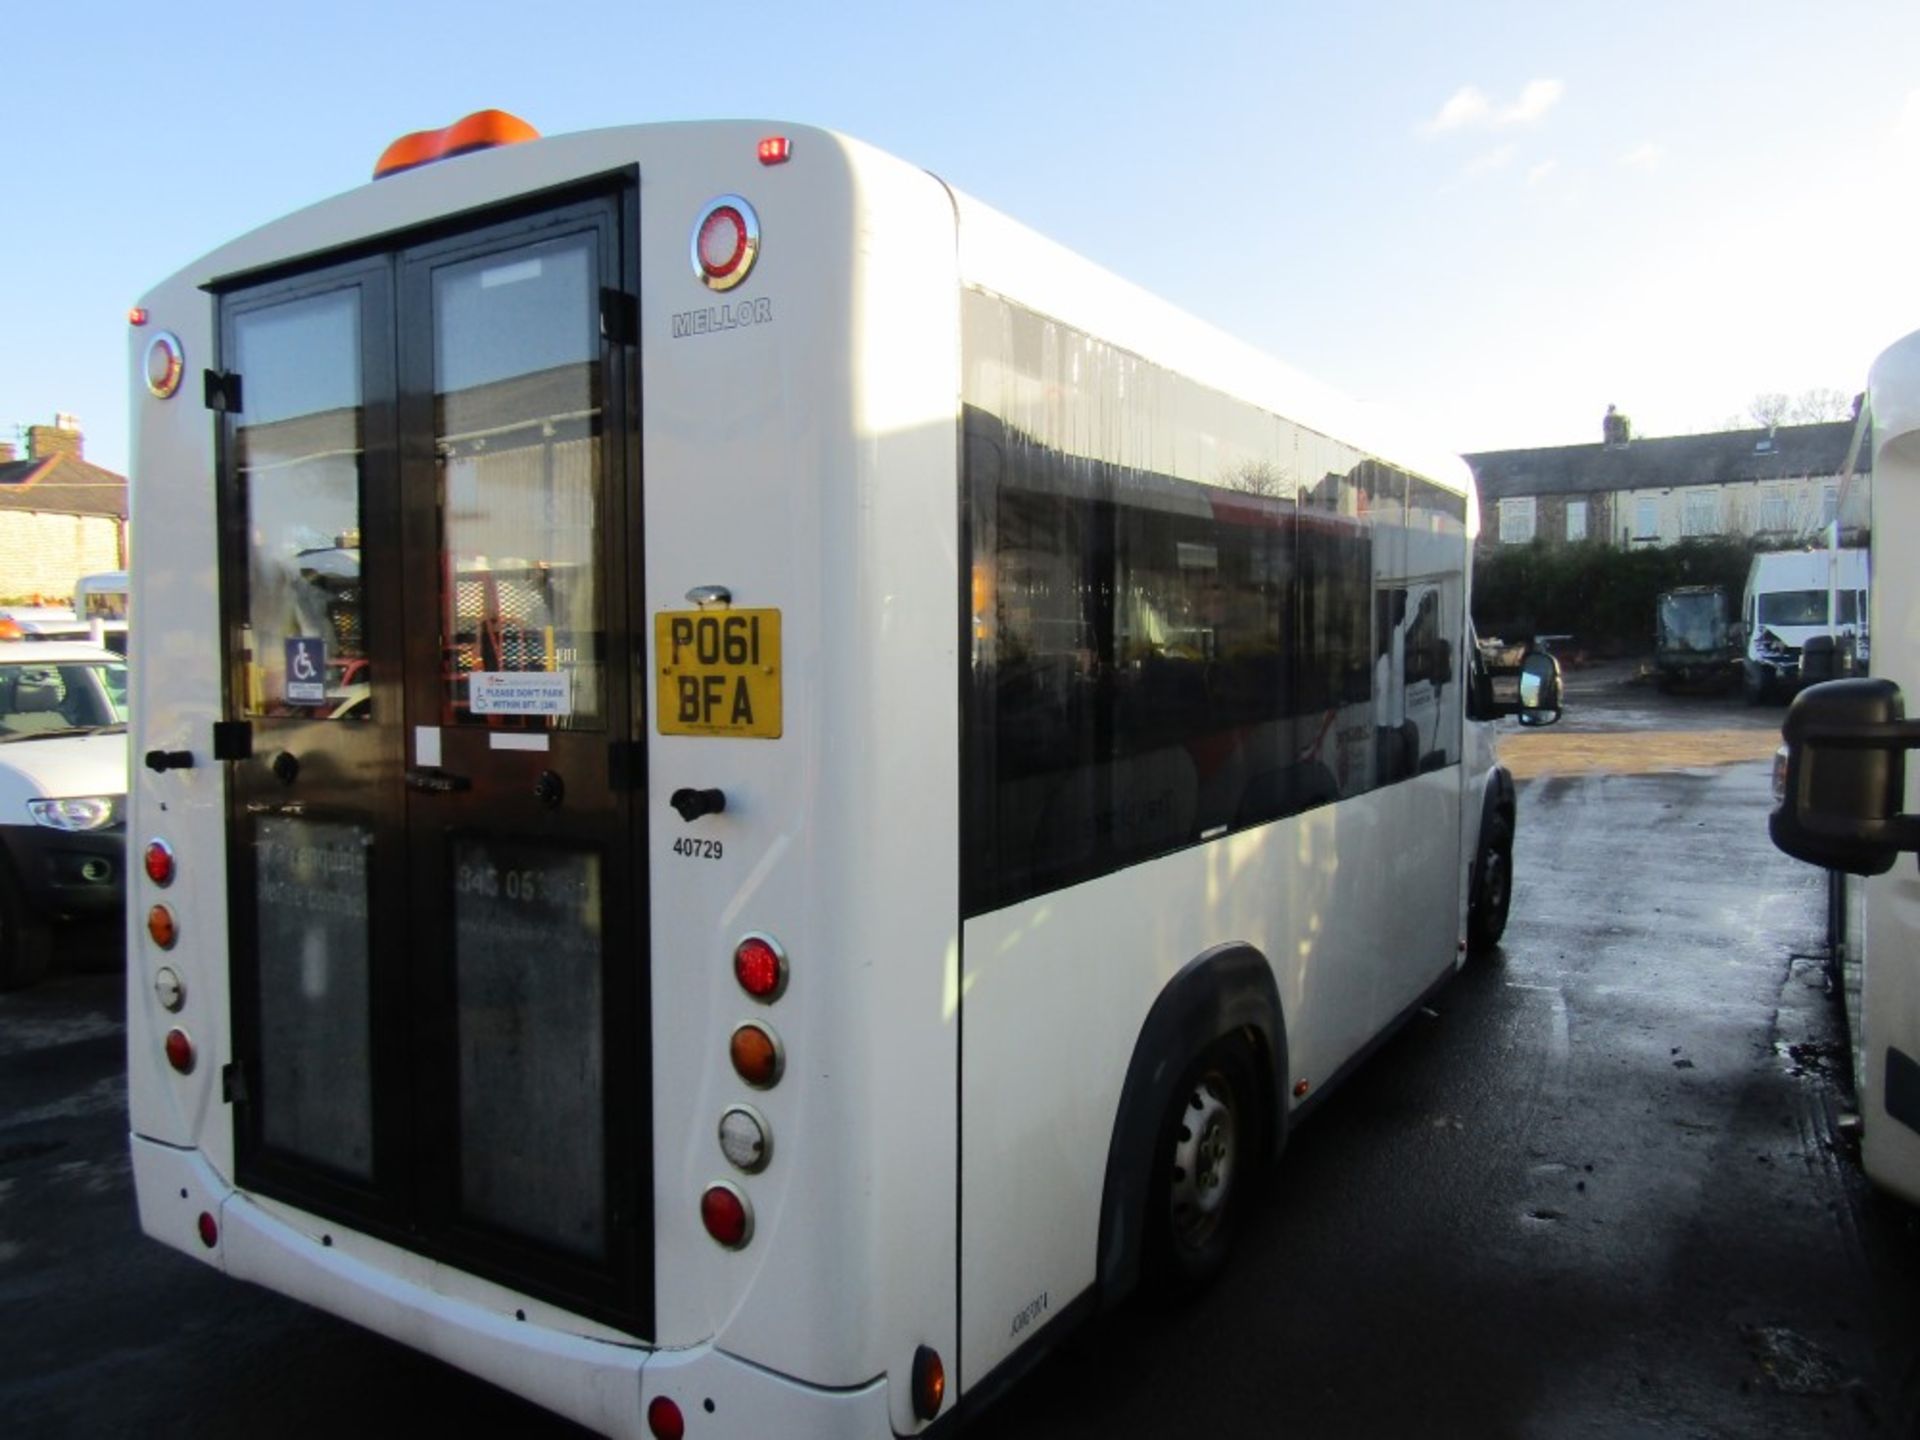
1599 1188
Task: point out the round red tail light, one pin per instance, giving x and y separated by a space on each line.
180 1051
727 1216
760 965
665 1420
159 862
209 1231
726 238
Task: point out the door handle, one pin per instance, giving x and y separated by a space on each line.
432 780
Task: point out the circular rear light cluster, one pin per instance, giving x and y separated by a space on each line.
665 1420
726 241
179 1051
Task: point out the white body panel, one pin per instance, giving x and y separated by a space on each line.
1890 998
807 462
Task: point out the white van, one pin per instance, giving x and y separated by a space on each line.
1786 605
63 787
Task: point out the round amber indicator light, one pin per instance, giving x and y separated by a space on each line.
162 927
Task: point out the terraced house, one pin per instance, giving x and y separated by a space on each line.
1780 485
60 517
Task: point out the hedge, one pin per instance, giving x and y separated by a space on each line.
1601 596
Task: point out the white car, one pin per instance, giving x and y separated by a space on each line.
63 786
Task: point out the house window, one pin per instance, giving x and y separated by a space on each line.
1576 520
1829 504
1776 510
1646 518
1516 520
1701 513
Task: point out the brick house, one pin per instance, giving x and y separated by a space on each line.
60 518
1780 485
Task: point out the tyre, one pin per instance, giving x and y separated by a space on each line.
1492 887
1206 1160
25 946
1753 684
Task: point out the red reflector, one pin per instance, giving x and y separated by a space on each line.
159 862
724 1211
180 1051
209 1231
760 967
137 315
776 150
929 1383
665 1420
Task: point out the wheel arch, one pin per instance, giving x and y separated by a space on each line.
1227 990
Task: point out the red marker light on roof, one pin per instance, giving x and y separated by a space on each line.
137 315
776 150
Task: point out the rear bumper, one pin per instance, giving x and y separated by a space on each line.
601 1384
68 872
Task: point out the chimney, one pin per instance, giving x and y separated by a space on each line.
8 452
60 438
1615 429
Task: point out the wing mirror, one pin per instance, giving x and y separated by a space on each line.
1845 778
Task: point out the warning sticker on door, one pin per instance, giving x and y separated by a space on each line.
520 692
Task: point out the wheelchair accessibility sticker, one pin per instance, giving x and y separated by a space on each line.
306 671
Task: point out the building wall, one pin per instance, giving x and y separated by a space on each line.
43 553
1749 509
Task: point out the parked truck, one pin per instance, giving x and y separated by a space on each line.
1694 637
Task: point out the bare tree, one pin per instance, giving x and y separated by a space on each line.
1810 407
1772 408
1769 408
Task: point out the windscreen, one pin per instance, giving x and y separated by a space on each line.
1806 607
1691 622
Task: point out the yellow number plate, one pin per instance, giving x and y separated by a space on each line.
719 672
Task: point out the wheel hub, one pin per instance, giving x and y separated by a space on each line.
1204 1154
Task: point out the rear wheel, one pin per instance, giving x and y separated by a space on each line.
1492 887
1753 684
1205 1160
25 946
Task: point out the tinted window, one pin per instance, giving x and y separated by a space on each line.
1188 615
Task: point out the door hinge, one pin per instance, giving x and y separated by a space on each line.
233 1083
222 391
233 739
619 317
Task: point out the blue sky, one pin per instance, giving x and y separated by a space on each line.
1496 217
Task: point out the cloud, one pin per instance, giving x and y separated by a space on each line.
1540 172
1468 108
1497 158
1644 157
1539 97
